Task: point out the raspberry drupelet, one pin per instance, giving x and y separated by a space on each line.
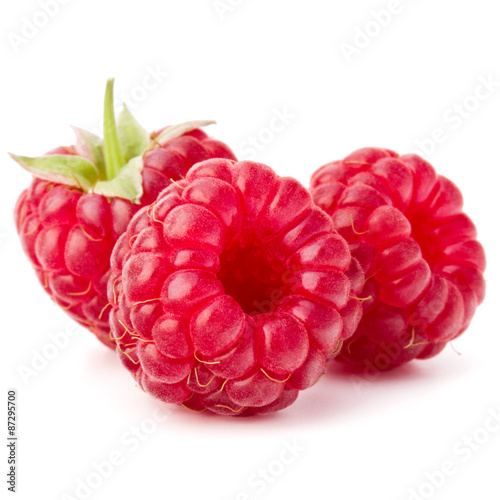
418 250
231 291
82 198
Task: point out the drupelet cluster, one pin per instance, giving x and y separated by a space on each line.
226 288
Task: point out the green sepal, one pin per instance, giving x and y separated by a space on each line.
111 167
127 184
89 146
134 139
181 129
63 169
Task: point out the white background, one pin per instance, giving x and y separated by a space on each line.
379 439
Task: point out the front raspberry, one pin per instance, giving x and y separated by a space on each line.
424 266
231 291
82 198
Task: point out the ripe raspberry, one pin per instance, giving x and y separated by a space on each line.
231 291
405 225
82 198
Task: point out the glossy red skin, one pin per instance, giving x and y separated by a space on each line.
405 225
231 291
69 235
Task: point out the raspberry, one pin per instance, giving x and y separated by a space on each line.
424 266
231 291
68 230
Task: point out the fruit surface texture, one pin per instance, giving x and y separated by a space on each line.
82 197
69 234
423 264
231 291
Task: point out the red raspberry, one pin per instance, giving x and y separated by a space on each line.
405 225
68 231
230 291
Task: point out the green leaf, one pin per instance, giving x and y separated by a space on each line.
113 158
127 184
181 129
89 146
64 169
134 140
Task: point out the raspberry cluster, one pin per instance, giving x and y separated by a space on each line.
231 291
418 250
227 288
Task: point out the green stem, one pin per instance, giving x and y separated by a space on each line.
113 157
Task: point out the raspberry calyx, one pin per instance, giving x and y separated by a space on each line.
111 167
